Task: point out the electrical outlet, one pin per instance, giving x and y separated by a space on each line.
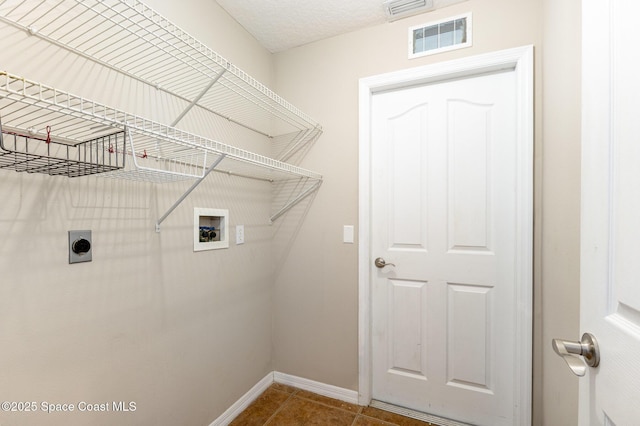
239 234
79 246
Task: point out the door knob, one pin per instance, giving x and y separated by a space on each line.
380 263
586 348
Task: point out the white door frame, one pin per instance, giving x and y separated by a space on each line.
520 60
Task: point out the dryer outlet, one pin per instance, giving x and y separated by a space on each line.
80 246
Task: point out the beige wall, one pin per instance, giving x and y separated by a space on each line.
182 334
185 335
558 269
316 290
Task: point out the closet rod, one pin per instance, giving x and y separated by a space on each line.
186 194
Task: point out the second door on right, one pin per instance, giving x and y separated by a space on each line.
445 213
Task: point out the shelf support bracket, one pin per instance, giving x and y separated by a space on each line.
197 99
300 140
186 194
295 201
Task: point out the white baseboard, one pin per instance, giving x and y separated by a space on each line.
331 391
244 401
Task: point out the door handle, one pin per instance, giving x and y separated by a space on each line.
586 348
380 263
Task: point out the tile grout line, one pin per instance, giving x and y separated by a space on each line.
384 422
295 394
355 419
360 407
285 402
359 414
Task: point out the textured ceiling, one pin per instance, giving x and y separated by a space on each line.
282 24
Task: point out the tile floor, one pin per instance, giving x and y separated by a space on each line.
282 405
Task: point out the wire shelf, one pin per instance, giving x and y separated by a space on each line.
132 38
129 37
158 152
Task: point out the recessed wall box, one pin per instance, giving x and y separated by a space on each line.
210 229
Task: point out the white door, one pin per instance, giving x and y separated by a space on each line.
610 266
445 213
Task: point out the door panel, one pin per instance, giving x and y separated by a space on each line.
610 295
444 212
469 337
407 164
407 342
469 159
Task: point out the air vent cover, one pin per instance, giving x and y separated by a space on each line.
440 36
397 9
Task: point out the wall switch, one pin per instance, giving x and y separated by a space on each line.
239 234
348 234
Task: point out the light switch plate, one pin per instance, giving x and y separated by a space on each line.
239 234
348 234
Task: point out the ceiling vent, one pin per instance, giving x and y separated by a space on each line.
397 9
